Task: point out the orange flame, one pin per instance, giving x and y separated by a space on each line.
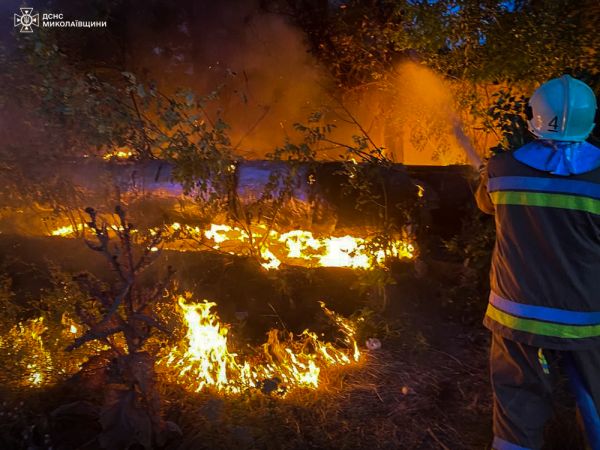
118 154
299 247
296 247
204 359
36 351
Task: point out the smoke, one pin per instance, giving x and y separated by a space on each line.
411 115
257 61
424 116
266 79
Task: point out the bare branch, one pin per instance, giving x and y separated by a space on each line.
150 321
115 304
357 123
92 335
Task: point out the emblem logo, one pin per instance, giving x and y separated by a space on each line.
26 21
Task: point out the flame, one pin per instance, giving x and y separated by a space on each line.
36 351
344 252
207 340
272 262
295 247
217 233
66 230
118 153
204 360
24 342
300 247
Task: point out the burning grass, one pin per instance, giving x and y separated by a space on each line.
225 394
34 350
295 247
390 401
203 359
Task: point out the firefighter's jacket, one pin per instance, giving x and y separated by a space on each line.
545 273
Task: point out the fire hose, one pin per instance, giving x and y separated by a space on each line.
472 156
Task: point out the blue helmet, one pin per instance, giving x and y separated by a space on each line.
562 109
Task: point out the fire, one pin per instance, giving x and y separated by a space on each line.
25 344
207 354
271 261
298 247
217 233
119 153
204 359
344 252
295 247
66 230
35 348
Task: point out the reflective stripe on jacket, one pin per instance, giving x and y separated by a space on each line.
545 274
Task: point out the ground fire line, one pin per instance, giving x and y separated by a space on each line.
204 358
295 247
208 357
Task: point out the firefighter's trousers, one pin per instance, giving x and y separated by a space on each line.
523 378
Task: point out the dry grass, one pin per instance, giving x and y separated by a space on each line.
402 396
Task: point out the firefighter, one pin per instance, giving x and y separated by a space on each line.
544 304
